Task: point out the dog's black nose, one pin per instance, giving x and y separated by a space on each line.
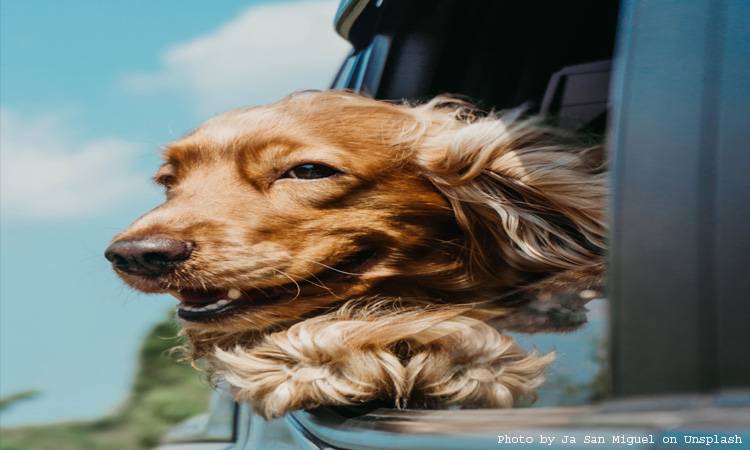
154 255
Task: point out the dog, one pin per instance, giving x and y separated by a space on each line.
331 249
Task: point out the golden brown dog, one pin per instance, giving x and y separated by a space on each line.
333 249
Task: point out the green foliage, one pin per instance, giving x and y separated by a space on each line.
10 400
562 389
600 386
164 393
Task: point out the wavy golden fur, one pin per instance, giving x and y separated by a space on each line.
416 356
382 281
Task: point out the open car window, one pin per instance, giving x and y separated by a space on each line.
218 425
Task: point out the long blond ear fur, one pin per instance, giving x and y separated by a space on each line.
527 195
411 356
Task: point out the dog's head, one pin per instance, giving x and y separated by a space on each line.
280 212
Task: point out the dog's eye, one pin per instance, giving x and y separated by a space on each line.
310 172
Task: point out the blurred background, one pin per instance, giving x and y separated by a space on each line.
89 92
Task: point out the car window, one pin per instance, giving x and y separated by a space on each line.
217 425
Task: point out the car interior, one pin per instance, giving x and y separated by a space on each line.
548 57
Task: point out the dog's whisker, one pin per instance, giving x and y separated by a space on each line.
259 289
343 272
299 289
322 285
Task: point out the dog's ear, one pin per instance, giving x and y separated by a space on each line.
525 194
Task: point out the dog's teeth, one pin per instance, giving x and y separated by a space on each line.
210 307
234 294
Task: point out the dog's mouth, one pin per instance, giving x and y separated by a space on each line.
210 304
213 304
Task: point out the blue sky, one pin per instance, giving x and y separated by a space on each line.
89 91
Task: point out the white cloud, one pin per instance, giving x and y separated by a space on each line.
48 173
260 56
